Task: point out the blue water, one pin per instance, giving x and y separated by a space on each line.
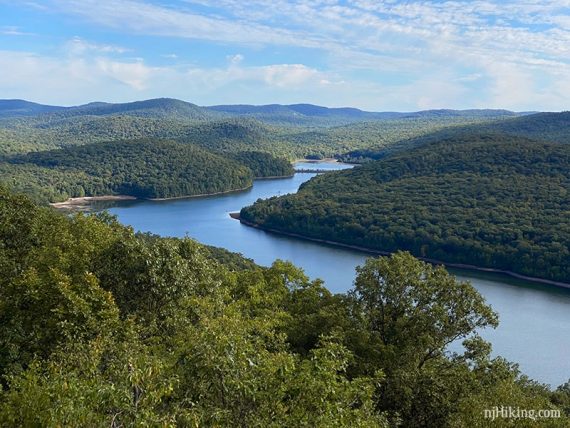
535 319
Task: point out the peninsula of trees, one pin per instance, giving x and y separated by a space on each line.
490 200
143 169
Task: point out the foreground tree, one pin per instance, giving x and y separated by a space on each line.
407 312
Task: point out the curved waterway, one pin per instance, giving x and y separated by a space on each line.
534 319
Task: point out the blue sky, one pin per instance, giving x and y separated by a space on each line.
372 54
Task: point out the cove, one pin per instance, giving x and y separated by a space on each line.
534 318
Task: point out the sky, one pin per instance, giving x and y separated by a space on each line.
377 55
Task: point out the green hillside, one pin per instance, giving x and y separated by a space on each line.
493 201
144 169
157 108
292 131
541 126
552 127
318 116
17 108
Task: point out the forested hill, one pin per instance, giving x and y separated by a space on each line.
18 108
540 126
156 108
103 327
144 169
293 114
491 201
551 127
291 131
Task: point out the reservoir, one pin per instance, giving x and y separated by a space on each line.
534 319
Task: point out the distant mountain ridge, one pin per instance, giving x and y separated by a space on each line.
301 114
19 108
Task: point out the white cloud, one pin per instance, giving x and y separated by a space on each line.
78 46
364 26
79 79
136 74
76 80
144 18
71 81
235 59
14 31
287 75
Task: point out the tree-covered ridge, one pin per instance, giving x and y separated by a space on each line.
45 185
158 108
16 108
551 127
540 126
144 169
304 130
294 114
103 327
497 202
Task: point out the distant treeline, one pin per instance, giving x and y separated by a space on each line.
263 164
289 132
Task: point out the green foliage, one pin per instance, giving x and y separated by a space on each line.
46 185
289 132
233 261
409 312
551 127
144 169
104 327
487 201
264 165
100 326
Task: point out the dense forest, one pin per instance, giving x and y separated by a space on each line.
263 165
487 200
144 169
289 132
103 327
549 127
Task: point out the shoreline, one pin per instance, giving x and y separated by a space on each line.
81 202
201 195
558 284
323 160
86 200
